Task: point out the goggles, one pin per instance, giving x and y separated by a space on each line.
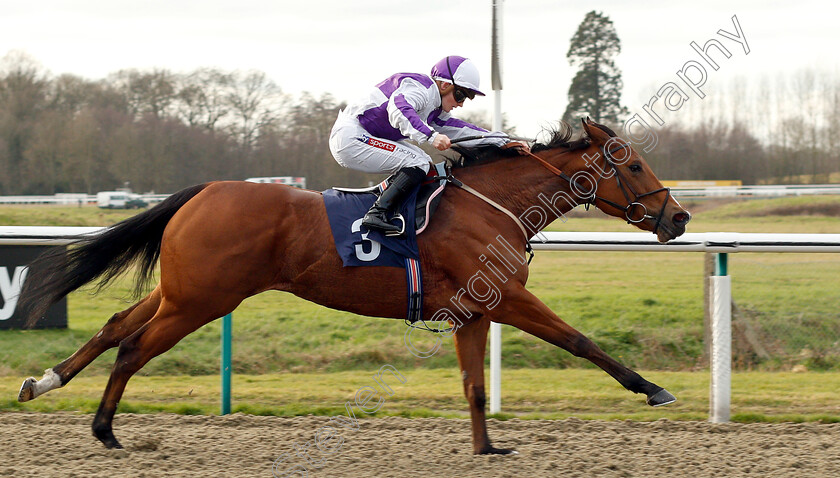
461 94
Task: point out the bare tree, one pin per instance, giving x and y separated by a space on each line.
146 92
255 102
23 94
203 97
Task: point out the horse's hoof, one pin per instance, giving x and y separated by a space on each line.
662 397
111 443
497 451
107 438
27 391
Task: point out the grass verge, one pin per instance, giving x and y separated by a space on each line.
529 394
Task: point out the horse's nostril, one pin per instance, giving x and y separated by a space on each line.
681 218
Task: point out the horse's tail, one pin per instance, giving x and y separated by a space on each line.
101 257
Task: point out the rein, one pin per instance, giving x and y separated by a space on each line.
628 210
632 204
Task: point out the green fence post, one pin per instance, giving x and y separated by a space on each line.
227 332
721 264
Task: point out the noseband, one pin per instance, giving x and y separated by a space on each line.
623 185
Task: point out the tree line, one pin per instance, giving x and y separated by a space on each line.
160 131
771 129
774 130
157 131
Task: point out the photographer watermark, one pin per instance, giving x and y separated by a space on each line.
501 261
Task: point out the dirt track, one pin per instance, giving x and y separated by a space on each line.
45 445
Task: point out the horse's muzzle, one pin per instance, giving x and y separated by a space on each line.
673 227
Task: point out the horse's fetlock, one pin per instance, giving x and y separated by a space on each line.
101 429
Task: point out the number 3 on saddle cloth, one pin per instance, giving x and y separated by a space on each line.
357 246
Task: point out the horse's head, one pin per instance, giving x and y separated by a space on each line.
621 184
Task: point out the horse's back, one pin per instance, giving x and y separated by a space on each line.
247 230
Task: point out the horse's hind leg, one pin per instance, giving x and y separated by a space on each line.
155 337
120 326
470 344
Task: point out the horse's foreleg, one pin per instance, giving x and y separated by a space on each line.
155 337
470 343
120 326
527 313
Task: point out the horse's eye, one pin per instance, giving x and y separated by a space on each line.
635 168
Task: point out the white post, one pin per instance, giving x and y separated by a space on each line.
721 359
496 329
495 367
496 80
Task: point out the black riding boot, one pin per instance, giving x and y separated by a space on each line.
401 186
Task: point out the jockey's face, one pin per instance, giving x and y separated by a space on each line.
447 101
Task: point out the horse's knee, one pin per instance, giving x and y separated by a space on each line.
476 396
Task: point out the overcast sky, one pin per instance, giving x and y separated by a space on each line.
345 46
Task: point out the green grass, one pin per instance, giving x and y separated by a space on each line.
40 215
527 393
645 309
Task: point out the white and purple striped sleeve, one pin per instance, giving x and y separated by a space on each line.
411 96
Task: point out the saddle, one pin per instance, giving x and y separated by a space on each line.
428 194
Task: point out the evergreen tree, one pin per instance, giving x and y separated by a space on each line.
596 88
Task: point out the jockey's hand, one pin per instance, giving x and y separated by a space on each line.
521 147
441 142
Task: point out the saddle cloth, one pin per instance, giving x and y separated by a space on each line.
358 246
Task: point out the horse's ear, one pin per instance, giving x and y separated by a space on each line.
584 122
595 133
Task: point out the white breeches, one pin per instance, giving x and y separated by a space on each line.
353 147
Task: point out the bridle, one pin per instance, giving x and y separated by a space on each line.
623 186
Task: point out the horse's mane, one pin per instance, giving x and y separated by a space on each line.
473 156
559 137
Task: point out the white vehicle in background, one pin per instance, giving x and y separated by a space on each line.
119 200
298 182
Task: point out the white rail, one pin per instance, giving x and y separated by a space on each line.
764 191
71 199
720 242
42 235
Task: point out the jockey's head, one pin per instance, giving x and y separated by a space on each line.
457 75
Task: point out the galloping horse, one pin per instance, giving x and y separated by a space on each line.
269 237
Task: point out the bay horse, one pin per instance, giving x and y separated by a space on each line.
270 237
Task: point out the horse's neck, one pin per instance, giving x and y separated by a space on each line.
521 183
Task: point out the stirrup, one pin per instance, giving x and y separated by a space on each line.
398 217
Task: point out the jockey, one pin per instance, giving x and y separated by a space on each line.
373 135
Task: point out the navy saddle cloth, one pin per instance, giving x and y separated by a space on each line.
359 246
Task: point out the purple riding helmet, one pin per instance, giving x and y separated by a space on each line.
459 71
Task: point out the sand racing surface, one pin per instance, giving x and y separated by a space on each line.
47 445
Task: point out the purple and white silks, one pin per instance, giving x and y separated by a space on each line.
408 106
